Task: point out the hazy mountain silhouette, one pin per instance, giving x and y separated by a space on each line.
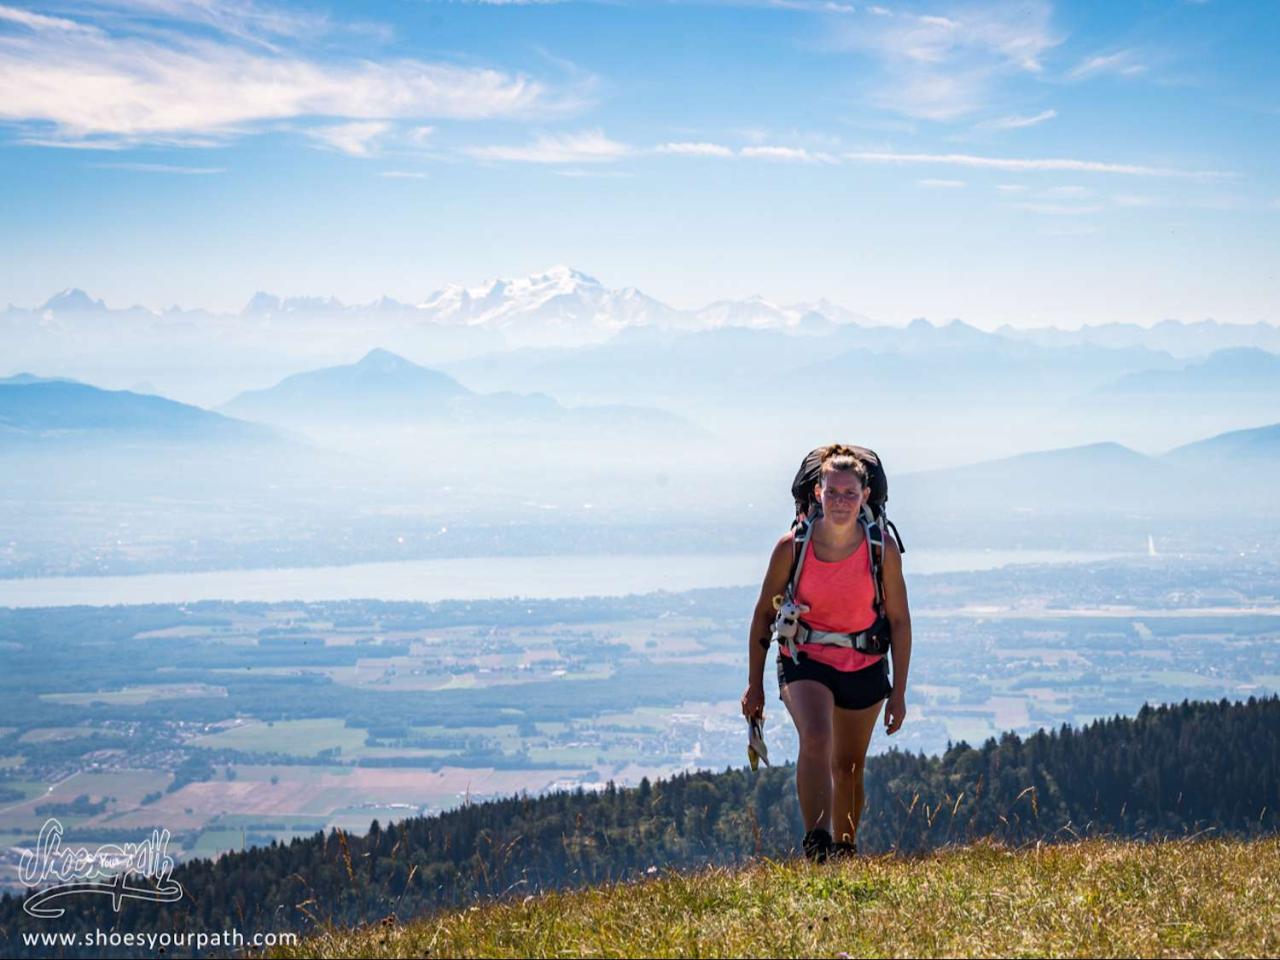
1233 371
1259 446
381 385
385 388
34 408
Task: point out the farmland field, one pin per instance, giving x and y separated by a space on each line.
233 723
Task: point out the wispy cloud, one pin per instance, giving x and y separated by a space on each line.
1012 187
1017 123
1123 63
1021 165
941 184
160 168
69 83
695 149
1069 191
792 154
38 21
404 175
354 139
946 67
590 146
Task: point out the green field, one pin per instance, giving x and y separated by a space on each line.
1092 899
138 694
43 734
302 738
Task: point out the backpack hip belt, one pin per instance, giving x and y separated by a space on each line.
873 640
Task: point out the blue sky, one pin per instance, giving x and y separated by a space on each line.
1027 163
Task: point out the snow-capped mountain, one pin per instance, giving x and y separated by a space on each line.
559 305
757 313
266 305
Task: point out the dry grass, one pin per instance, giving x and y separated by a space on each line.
1089 899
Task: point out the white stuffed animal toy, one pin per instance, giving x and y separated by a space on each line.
786 623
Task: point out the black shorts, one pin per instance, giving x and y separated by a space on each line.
852 689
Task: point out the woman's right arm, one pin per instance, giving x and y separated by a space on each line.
775 582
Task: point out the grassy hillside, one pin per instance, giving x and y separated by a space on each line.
1094 898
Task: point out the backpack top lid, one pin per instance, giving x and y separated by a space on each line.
810 473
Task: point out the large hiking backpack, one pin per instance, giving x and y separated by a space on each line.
810 473
874 522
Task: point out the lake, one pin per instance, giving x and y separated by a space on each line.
470 578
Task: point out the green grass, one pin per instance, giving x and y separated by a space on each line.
1089 899
303 738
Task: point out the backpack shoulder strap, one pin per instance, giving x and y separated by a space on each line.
875 554
801 530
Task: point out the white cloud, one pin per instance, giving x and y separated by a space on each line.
587 147
245 19
160 168
38 21
1017 123
1016 164
90 86
1122 63
404 175
355 139
695 149
945 67
793 154
941 184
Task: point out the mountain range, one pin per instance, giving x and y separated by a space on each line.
566 306
1235 470
383 388
34 408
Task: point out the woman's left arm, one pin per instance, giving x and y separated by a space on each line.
896 609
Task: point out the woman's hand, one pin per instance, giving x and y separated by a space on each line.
895 711
753 700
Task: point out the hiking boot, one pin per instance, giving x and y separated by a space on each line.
844 850
817 845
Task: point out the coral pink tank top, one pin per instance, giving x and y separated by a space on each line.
841 598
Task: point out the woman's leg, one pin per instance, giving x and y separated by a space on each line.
851 736
811 705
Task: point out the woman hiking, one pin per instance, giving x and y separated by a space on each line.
833 690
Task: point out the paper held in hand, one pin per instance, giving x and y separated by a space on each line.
756 749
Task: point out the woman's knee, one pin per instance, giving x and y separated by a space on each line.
815 740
